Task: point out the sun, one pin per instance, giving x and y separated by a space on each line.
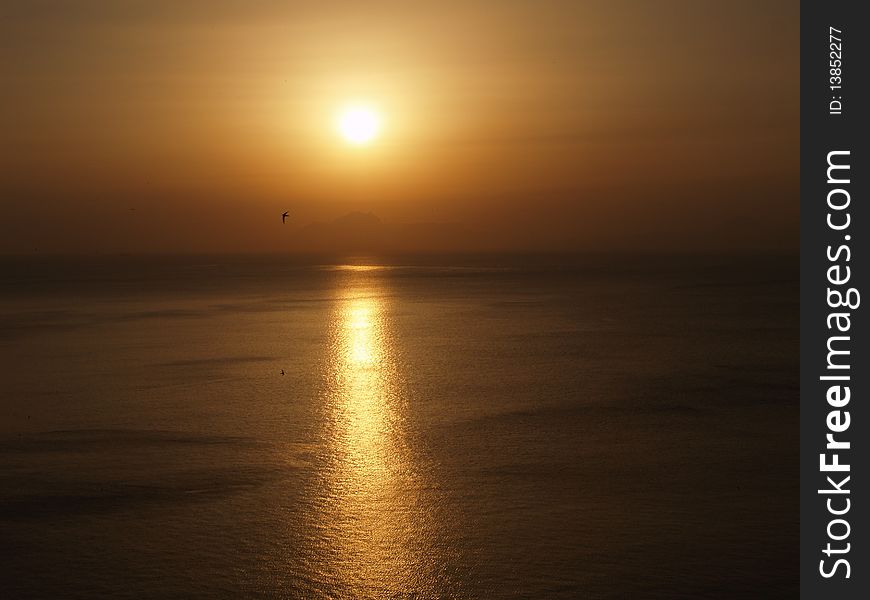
359 125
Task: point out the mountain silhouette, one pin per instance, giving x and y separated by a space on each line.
365 232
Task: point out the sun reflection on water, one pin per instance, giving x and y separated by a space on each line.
376 523
367 439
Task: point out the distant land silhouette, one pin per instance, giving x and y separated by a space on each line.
365 232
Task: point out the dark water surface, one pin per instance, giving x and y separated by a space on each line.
489 429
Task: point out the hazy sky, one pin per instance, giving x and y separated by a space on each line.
542 125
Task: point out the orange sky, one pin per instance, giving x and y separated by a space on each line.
602 125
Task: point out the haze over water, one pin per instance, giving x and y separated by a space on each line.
486 428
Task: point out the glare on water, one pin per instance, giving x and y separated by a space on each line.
373 509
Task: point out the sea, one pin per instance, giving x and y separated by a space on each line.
419 427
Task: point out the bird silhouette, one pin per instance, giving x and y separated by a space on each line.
284 216
282 371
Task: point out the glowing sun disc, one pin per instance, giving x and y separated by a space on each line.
359 125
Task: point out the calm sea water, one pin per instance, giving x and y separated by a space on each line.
485 429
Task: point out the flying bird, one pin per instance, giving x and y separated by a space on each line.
284 216
282 371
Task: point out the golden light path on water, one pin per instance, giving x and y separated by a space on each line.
378 527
